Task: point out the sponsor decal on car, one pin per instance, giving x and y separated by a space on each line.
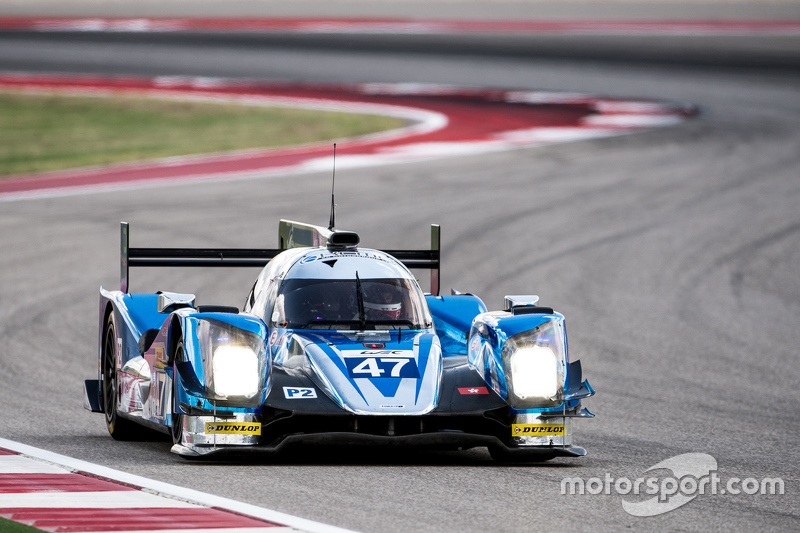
530 430
473 390
233 428
476 341
292 393
337 255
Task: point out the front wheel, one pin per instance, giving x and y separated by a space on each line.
177 428
177 415
118 427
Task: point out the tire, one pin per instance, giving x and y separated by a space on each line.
177 416
118 427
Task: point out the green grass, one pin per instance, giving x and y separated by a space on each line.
9 526
51 132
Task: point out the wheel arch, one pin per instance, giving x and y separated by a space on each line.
106 309
174 337
106 312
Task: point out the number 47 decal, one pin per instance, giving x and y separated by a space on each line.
381 367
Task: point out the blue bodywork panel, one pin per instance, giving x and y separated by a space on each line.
452 319
135 314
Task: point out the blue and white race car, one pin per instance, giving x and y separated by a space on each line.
335 344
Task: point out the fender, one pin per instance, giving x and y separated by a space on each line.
490 349
194 371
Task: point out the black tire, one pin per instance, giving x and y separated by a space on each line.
177 416
118 427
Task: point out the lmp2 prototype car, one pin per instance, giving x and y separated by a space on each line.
335 344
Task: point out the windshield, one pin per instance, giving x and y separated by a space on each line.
349 304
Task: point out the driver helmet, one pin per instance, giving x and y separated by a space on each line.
383 301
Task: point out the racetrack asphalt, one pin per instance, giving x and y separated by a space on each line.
673 253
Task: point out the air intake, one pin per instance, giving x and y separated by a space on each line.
343 240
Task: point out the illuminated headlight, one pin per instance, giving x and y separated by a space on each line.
235 361
534 372
535 366
235 370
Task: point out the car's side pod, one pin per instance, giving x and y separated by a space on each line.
452 317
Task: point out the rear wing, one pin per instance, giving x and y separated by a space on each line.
291 234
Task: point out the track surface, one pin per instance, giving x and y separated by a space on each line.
673 253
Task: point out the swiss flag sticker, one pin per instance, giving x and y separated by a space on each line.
473 390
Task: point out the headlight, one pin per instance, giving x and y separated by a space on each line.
234 361
535 366
235 371
534 372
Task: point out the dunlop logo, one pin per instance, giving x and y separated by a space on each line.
530 430
233 428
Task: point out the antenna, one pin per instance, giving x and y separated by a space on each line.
333 183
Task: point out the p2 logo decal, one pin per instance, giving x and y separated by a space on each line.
292 393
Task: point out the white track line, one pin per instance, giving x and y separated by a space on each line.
19 464
115 499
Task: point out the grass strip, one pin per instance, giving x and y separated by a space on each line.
41 132
9 526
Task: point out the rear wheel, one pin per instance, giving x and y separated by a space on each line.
118 427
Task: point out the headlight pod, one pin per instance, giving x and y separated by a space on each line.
534 363
234 361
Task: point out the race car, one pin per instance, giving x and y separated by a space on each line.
335 344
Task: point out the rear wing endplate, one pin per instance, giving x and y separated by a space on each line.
290 235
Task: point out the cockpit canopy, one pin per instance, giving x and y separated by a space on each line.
354 290
388 303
